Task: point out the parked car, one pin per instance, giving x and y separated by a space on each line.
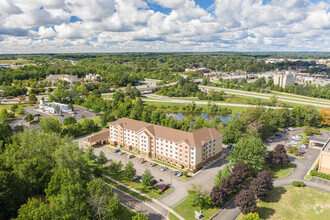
269 140
163 168
229 146
301 150
136 177
153 182
303 146
164 188
122 153
129 156
283 131
153 164
116 151
290 129
180 173
278 135
175 172
142 160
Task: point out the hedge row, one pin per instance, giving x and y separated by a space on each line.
320 175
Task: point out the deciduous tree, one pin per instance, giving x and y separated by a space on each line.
246 201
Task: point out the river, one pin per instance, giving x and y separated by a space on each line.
208 116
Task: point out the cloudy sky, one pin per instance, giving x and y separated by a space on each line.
33 26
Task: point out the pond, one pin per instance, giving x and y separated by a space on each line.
208 116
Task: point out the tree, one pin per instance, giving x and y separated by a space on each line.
242 170
34 209
246 201
129 170
278 156
115 167
262 184
218 196
29 118
90 154
101 159
250 150
5 115
139 216
147 178
104 204
50 124
251 216
33 98
70 120
233 131
5 134
231 184
222 173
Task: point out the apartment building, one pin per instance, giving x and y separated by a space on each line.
188 149
64 77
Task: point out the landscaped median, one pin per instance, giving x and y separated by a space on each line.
281 171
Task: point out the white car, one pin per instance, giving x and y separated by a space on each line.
303 146
290 129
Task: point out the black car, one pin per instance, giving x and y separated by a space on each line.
278 135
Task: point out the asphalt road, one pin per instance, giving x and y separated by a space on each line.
268 96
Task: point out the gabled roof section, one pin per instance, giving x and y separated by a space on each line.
194 139
104 134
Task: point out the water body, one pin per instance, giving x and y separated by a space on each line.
208 116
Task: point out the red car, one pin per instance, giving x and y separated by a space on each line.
164 188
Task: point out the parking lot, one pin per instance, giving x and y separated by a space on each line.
205 177
80 113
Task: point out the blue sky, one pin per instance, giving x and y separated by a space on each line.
30 26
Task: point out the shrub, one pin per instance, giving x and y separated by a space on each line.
262 184
298 184
311 131
185 173
320 175
218 196
278 156
292 150
242 170
246 201
251 216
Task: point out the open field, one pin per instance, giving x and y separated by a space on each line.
295 203
19 61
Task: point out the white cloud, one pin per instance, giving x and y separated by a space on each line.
130 25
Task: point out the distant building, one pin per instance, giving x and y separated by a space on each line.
282 79
93 77
199 70
64 77
51 107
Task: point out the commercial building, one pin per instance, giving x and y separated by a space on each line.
324 164
282 79
92 77
191 150
64 77
199 70
54 107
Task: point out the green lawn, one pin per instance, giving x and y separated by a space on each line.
295 203
23 105
125 213
96 119
137 186
19 61
187 211
281 171
171 216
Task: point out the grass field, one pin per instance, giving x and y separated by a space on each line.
96 119
19 61
187 211
234 109
295 203
281 171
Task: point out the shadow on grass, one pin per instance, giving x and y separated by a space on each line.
275 195
265 212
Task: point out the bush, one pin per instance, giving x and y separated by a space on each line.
298 184
246 201
311 131
251 216
292 150
185 173
320 175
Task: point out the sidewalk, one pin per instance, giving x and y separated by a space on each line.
152 203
